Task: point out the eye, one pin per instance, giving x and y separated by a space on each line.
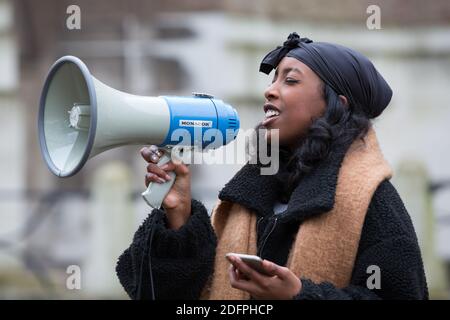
291 80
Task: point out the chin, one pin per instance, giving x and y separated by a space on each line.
268 137
268 133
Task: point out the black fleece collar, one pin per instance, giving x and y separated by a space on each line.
314 194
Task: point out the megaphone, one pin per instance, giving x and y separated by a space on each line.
80 117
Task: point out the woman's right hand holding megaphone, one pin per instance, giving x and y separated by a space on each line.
177 203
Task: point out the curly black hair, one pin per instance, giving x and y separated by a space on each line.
339 125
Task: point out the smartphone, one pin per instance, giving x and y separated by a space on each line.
252 261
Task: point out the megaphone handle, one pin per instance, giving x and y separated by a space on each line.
156 192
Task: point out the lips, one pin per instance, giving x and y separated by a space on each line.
272 113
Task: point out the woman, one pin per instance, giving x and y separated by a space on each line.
329 224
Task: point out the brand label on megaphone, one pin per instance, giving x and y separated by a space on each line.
195 123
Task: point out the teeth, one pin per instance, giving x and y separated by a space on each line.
271 113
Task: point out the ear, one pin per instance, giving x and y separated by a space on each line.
343 99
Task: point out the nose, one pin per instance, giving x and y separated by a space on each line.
271 92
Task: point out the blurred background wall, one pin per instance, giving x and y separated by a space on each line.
177 47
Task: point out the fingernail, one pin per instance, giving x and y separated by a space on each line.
153 157
164 166
161 180
167 177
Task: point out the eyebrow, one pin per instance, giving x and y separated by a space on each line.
287 70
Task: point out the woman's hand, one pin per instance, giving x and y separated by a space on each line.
177 203
282 284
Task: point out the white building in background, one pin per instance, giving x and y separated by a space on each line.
219 54
12 143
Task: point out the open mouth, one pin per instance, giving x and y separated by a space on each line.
271 113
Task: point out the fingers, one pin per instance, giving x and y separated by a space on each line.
154 169
274 269
239 283
151 154
238 274
150 177
234 273
284 284
179 168
154 173
247 271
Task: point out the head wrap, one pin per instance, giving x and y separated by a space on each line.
347 71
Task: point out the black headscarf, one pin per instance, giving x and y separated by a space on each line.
345 70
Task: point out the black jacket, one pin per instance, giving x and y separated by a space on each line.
182 260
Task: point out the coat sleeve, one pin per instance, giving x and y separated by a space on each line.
389 245
181 261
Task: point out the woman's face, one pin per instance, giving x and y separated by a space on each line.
293 101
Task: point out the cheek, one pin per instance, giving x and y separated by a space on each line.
296 123
300 108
